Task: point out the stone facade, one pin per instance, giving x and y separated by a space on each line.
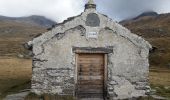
54 59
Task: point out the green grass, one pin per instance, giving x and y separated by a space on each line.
15 88
160 81
161 90
15 75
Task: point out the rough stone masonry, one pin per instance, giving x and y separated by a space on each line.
54 64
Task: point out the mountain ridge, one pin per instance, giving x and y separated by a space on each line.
15 31
147 13
149 26
34 20
144 14
156 30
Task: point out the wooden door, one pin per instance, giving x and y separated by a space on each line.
90 75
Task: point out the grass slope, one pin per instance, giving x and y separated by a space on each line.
156 30
14 73
13 35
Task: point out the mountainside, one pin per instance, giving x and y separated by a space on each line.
150 26
14 32
143 15
33 20
149 13
156 29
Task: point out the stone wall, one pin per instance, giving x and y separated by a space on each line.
54 61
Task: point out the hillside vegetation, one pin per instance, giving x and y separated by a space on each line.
15 73
14 32
156 29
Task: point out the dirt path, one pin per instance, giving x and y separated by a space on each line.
18 96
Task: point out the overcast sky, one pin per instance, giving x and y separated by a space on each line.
59 10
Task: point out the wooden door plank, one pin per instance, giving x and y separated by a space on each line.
90 74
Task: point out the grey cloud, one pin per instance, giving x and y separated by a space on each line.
59 10
122 9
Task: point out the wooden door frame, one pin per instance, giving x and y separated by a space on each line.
105 71
89 50
105 75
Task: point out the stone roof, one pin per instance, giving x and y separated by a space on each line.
79 20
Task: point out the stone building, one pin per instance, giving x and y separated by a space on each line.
90 55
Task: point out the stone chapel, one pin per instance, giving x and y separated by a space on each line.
90 55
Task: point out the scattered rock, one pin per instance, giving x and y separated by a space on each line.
167 87
156 97
26 90
153 91
113 83
20 56
157 88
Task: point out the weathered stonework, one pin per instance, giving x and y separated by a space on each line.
54 57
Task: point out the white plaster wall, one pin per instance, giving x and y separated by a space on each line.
54 60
